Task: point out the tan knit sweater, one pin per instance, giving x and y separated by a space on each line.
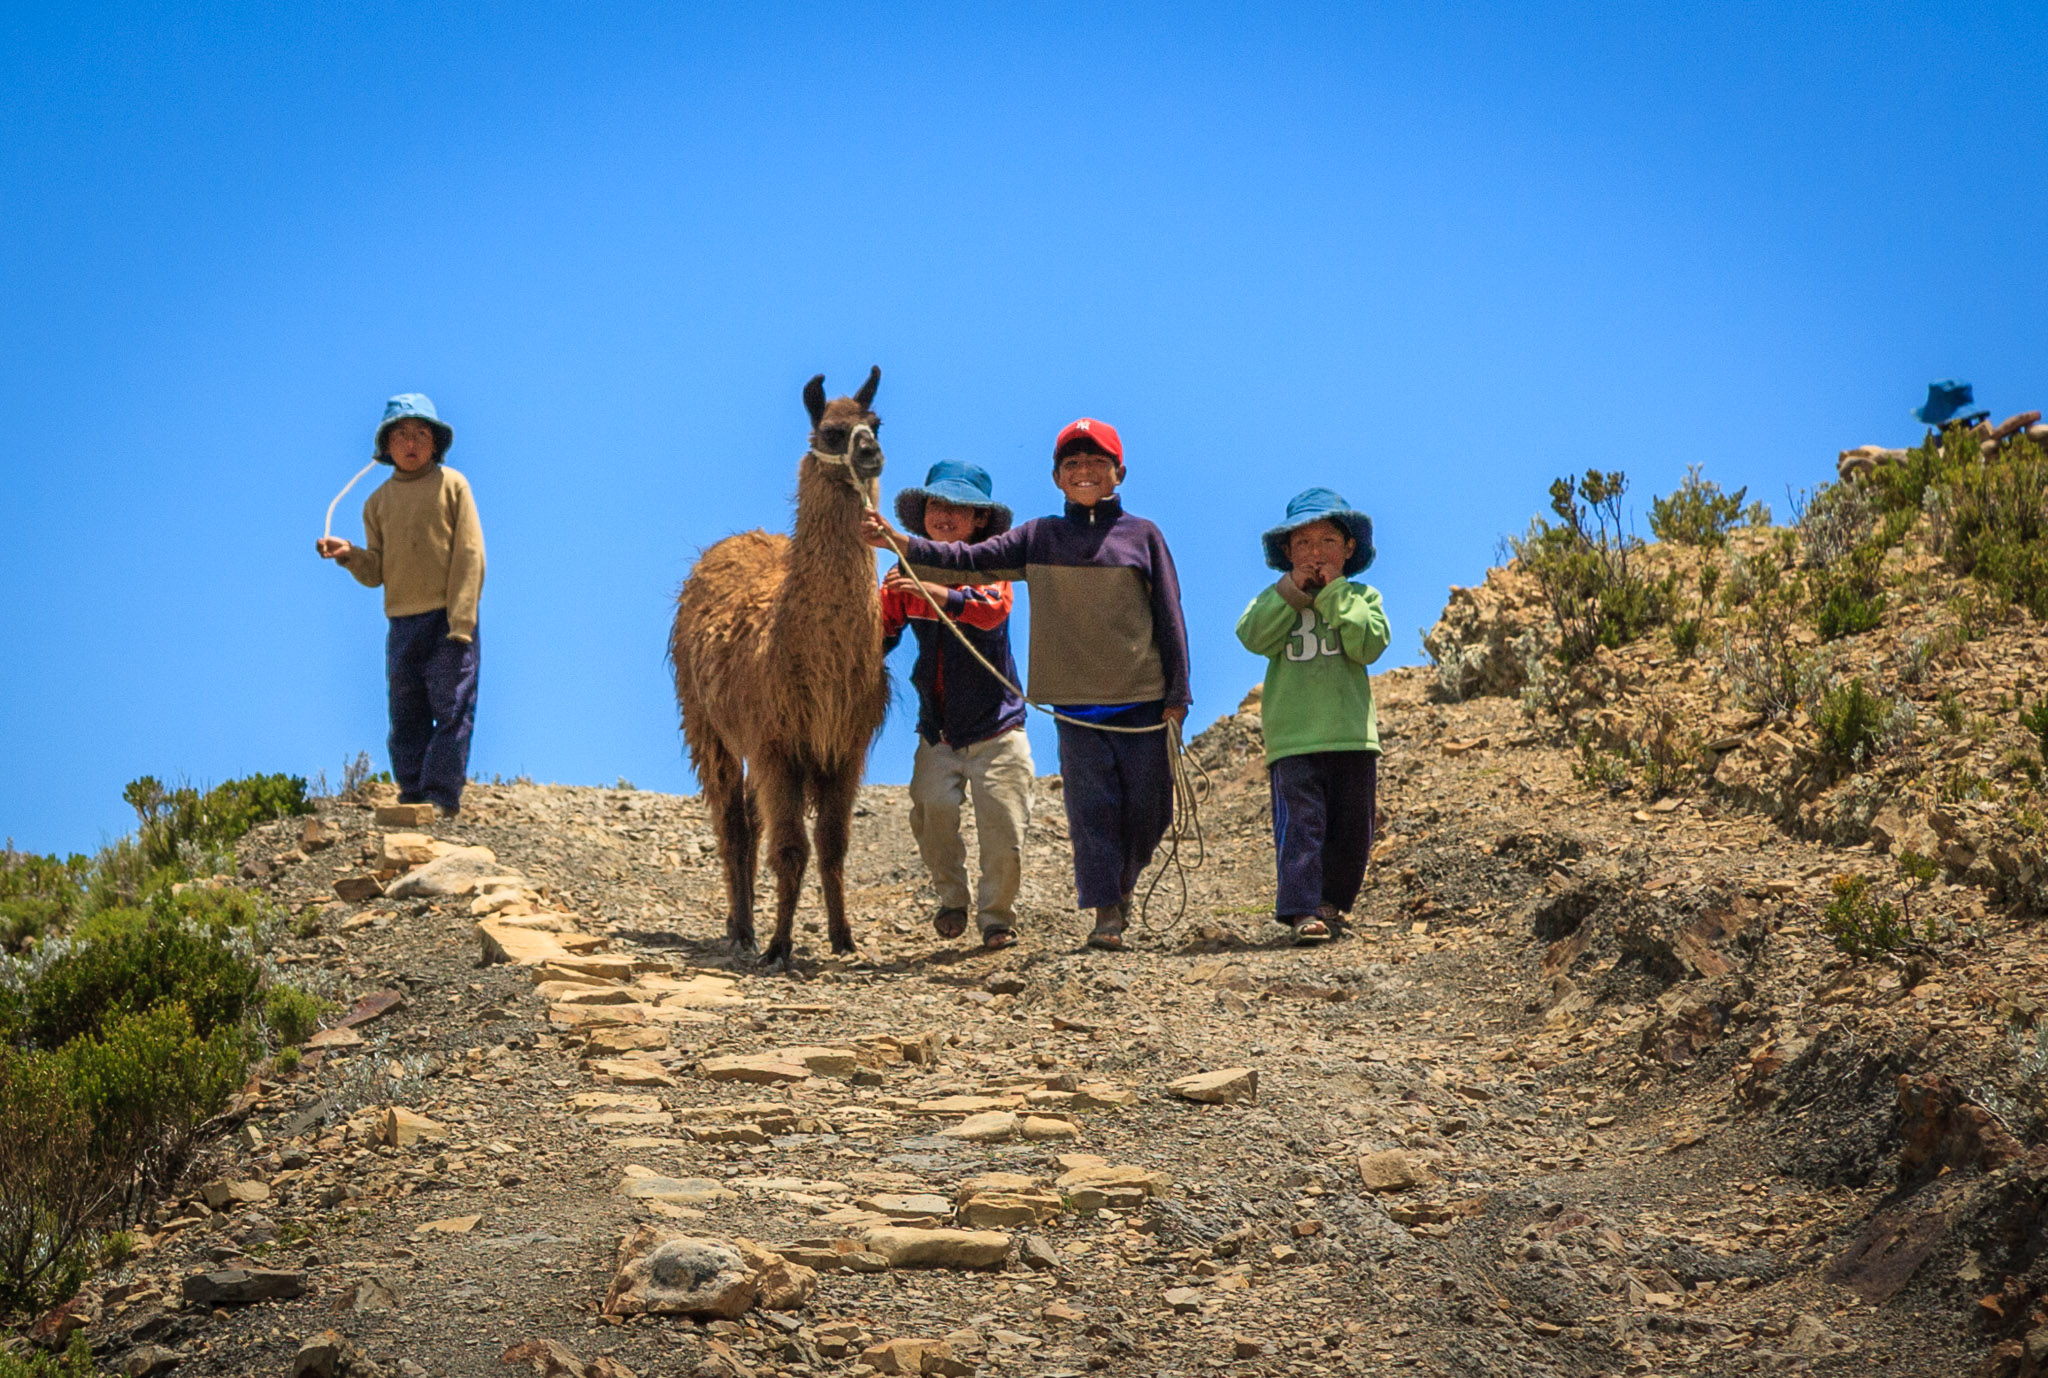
422 542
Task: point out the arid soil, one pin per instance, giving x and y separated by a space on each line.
1585 1090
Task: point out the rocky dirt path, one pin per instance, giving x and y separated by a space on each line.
1585 1092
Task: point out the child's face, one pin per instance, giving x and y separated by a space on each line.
1320 549
1086 477
950 521
410 444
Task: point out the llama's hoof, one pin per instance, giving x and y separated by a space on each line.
742 944
780 956
843 945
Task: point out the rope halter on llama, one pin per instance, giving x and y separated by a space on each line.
868 489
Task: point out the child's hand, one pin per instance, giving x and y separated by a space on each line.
899 578
876 531
1310 576
332 547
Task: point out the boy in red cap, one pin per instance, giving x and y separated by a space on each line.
1108 647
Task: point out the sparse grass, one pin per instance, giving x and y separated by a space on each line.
292 1014
1861 927
1855 724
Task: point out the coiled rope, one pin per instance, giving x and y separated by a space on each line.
1187 791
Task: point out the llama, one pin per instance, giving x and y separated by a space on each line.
777 649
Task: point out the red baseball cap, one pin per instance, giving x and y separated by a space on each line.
1098 433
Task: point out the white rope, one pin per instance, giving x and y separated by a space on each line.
327 528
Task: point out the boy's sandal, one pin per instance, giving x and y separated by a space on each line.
996 939
1109 932
1309 928
949 923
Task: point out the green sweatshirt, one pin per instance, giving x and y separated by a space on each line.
1318 696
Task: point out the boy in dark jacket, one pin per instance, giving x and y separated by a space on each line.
1108 647
970 725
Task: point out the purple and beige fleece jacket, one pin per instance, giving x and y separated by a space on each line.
1106 624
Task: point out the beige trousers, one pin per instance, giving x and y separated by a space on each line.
998 771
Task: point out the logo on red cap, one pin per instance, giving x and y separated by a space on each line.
1100 434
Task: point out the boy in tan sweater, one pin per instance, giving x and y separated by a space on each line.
423 545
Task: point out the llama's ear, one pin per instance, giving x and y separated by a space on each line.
814 399
866 395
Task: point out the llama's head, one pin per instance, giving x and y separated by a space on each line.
844 431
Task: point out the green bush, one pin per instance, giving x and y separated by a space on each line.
1846 608
176 819
1856 724
291 1013
1596 591
50 1191
124 961
1685 636
75 1362
148 1081
1698 513
2035 720
38 894
1861 927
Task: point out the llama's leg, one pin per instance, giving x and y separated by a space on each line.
782 807
832 792
730 802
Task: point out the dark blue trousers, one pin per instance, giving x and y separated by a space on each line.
433 707
1119 796
1323 805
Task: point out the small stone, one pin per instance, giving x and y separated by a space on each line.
317 834
403 851
321 1356
908 1247
1000 1209
1183 1299
1388 1170
454 1224
821 1062
1223 1087
754 1068
402 1128
634 1071
454 873
993 1127
1044 1129
146 1361
404 815
912 1207
516 946
694 1192
864 1261
240 1286
906 1356
1037 1252
1060 1311
679 1275
371 1295
356 889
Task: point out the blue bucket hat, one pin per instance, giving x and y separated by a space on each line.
418 406
1944 400
1316 505
966 485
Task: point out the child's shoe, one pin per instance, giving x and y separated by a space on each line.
1109 928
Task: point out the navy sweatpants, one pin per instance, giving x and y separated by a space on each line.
1323 805
433 707
1119 795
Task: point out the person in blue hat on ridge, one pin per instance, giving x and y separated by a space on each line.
1318 630
970 725
423 545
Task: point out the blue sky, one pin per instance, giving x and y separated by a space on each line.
1431 256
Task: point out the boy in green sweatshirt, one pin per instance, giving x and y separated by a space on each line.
1318 631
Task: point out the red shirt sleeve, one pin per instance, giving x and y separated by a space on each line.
986 606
